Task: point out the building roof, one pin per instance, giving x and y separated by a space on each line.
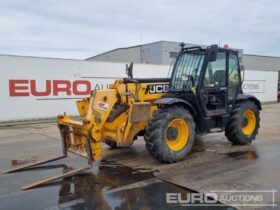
150 43
260 62
252 62
124 48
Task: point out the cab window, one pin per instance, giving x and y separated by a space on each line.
215 74
233 76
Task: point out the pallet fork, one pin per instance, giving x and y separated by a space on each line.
64 132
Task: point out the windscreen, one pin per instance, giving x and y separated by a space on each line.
188 66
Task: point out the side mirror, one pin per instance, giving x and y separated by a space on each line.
129 70
212 52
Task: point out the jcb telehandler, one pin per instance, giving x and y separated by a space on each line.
203 95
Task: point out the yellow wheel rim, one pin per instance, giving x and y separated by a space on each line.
250 122
179 141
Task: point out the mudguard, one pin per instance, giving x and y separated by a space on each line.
243 96
173 101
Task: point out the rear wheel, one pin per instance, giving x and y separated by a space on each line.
170 134
243 124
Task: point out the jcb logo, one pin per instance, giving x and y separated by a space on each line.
159 88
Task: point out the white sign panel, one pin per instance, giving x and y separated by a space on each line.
32 88
254 86
262 84
42 87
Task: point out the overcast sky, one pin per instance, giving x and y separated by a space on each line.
83 28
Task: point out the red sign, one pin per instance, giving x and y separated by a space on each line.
20 87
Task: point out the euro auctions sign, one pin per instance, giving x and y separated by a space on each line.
39 98
50 88
32 88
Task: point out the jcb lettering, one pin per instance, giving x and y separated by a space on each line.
159 88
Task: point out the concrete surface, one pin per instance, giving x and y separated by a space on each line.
130 178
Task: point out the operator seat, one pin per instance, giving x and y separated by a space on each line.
220 77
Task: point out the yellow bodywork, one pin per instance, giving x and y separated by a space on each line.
84 137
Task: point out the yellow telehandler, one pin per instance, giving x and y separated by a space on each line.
203 95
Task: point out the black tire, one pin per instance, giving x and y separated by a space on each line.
234 129
155 135
111 144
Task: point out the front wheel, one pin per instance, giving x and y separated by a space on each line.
243 124
170 134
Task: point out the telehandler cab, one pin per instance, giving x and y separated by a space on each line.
203 95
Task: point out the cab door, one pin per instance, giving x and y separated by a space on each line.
214 89
234 79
